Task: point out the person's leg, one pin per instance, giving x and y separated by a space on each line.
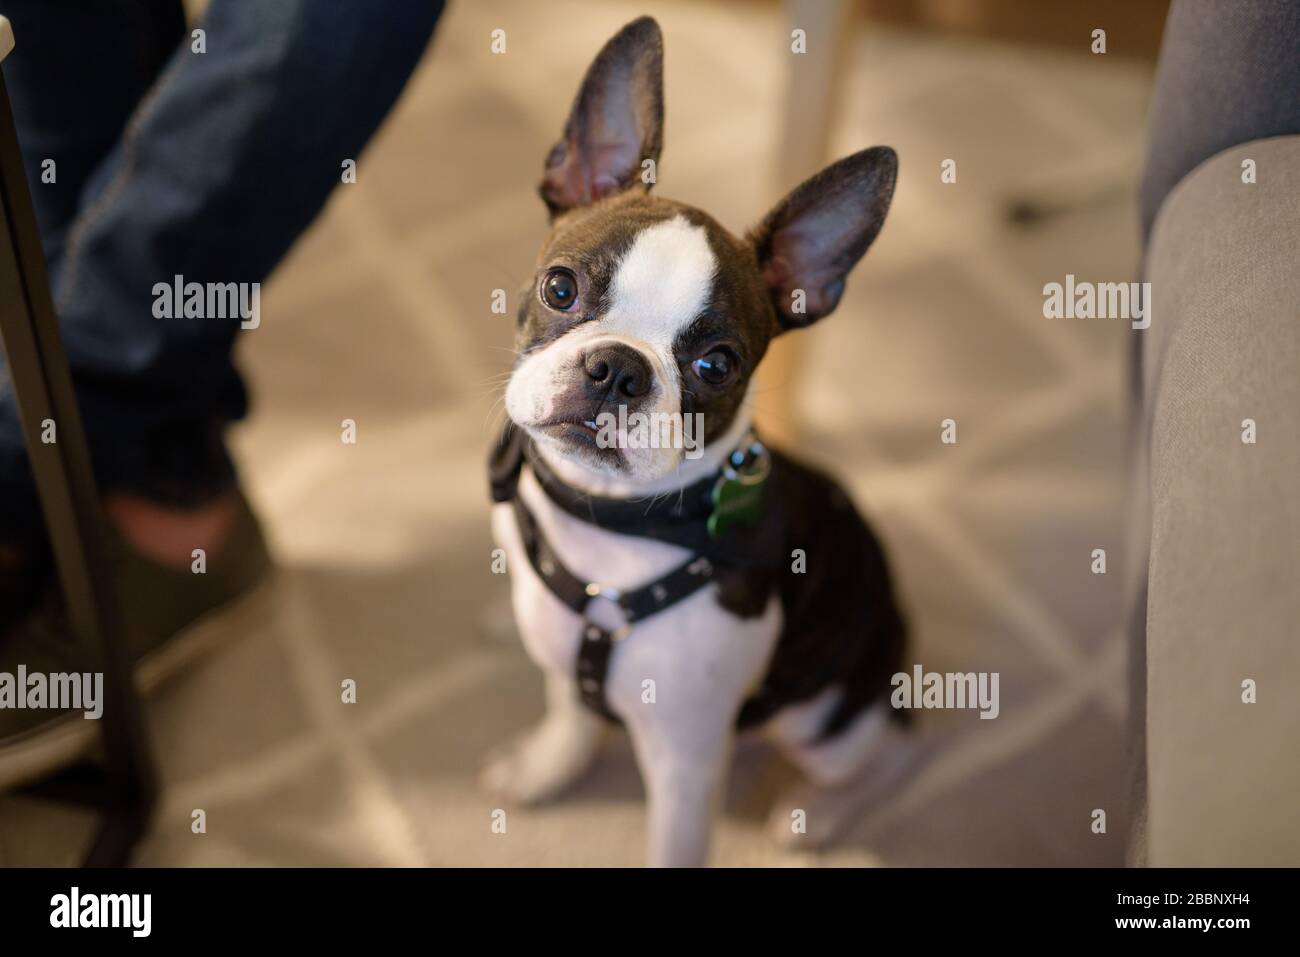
225 162
70 103
79 68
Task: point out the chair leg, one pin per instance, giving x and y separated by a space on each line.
42 384
814 87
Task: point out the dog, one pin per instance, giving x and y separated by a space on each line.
683 591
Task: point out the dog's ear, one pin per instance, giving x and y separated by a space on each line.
809 242
616 122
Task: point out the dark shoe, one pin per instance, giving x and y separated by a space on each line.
166 615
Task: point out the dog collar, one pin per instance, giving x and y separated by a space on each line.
728 516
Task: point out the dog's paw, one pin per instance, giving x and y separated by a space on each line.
537 767
812 817
808 818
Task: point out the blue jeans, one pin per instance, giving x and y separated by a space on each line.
172 162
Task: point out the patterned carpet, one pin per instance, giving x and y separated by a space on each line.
382 315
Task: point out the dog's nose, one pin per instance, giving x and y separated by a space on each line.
620 368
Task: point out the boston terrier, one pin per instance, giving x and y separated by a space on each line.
683 596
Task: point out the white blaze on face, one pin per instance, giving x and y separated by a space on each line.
661 285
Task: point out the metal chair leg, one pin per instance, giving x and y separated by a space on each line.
125 789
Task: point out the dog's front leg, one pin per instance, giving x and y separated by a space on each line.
550 756
683 765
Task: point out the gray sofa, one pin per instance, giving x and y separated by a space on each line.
1218 518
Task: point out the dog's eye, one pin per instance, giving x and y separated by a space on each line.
560 289
714 367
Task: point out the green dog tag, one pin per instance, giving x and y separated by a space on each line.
734 503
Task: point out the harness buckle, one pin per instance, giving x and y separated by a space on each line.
600 591
596 590
594 632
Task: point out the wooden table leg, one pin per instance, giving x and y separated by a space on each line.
814 86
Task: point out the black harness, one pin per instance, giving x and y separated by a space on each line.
717 518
